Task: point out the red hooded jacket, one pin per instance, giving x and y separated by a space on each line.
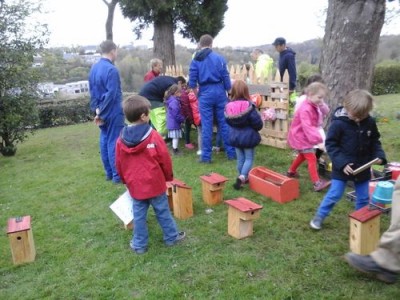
143 161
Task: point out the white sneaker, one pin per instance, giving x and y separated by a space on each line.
198 152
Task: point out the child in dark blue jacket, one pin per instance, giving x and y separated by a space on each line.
352 141
244 122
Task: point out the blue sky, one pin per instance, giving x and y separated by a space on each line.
247 23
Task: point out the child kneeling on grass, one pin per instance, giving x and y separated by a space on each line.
144 165
352 141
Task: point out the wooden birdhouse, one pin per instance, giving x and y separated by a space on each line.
21 240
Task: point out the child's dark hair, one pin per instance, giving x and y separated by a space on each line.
240 90
171 91
134 107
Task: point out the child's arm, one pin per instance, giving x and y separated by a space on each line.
333 147
324 108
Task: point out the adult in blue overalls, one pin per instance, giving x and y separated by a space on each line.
209 72
105 100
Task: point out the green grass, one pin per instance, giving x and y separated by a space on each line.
82 248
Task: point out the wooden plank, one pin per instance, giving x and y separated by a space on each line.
259 89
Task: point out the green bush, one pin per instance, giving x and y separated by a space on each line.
386 79
64 112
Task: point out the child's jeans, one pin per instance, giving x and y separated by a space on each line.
245 158
164 218
336 192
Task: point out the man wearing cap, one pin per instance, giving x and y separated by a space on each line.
286 62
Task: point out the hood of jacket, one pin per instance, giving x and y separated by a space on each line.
236 111
132 136
287 51
202 54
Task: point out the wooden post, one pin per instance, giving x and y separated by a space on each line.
364 230
21 240
241 213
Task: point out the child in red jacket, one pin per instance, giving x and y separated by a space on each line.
144 165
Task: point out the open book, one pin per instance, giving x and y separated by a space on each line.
366 166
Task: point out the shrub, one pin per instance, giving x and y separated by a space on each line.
386 79
64 112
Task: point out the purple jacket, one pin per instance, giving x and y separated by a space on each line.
174 115
303 132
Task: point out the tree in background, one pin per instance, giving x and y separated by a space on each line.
190 17
18 80
110 18
350 45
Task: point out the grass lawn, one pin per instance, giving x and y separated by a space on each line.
82 248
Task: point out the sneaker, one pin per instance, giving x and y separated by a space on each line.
216 149
240 181
367 265
320 185
138 251
181 236
177 152
198 152
292 174
189 146
316 223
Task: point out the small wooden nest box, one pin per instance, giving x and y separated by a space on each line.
212 187
180 199
364 230
21 239
241 213
271 184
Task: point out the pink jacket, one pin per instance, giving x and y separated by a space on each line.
303 132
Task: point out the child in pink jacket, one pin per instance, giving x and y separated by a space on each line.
304 133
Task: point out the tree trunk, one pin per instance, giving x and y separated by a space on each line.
351 40
110 18
163 39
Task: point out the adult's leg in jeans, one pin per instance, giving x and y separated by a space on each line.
240 157
248 162
223 128
206 113
140 230
333 196
104 152
387 255
362 194
164 217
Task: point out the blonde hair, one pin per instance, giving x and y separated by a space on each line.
359 103
315 87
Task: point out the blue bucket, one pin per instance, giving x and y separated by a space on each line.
383 194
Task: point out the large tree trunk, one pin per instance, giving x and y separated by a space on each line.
164 44
110 18
351 40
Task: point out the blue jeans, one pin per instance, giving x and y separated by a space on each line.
336 192
163 214
245 159
108 139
